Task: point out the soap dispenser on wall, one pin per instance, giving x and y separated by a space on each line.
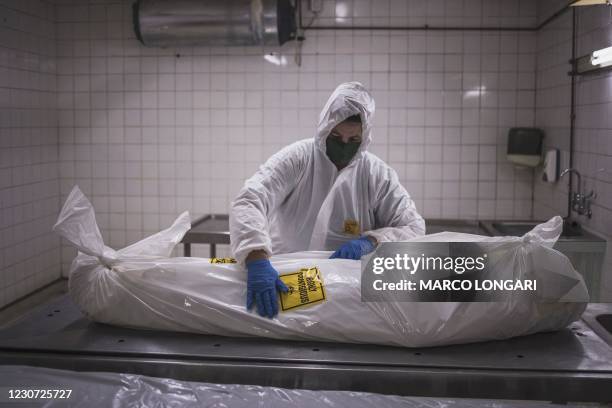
550 172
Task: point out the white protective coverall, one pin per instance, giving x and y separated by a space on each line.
298 200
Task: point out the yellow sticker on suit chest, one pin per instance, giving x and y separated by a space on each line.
351 227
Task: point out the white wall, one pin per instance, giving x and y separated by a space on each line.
593 134
29 183
147 135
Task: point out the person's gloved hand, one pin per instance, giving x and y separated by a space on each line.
354 249
262 284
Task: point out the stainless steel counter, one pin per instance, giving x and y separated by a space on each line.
211 229
465 226
573 234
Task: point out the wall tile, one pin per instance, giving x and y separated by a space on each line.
29 169
592 142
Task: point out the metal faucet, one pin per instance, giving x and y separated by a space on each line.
580 202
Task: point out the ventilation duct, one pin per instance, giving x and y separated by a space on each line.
172 23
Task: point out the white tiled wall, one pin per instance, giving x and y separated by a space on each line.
593 134
553 102
148 132
435 13
29 184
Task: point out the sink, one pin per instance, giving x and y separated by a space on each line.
572 231
514 228
599 318
521 228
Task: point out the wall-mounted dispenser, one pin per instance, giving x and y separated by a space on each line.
525 146
175 23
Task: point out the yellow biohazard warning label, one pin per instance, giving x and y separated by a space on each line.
222 260
351 227
305 288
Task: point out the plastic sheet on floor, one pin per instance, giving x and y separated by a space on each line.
103 389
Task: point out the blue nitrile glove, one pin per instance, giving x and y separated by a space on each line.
354 249
262 284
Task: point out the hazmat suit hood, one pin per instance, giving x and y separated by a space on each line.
348 99
299 199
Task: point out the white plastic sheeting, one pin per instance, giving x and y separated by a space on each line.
99 389
140 286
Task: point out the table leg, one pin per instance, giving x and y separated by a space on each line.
187 249
213 250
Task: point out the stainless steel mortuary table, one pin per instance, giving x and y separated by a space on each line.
574 364
211 229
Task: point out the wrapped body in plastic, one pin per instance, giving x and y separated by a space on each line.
104 389
140 286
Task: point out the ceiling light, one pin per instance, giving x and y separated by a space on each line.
602 58
596 61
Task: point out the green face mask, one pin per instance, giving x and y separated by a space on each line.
340 153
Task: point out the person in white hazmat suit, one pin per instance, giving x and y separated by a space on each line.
325 193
